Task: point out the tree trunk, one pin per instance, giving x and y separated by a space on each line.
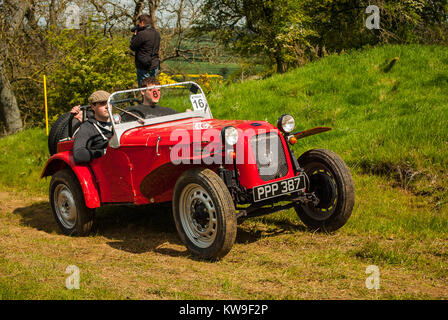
8 104
153 5
138 10
281 65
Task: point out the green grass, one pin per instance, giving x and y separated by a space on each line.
23 282
23 158
382 210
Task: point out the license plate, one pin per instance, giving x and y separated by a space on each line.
279 188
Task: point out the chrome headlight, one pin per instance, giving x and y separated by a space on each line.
229 135
286 123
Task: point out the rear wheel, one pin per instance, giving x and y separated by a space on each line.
332 183
68 205
204 213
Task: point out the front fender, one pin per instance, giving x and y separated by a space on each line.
86 178
310 132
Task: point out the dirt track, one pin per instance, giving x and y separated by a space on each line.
136 254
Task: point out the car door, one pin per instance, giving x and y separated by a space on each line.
113 175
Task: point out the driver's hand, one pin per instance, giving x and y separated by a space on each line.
188 110
77 112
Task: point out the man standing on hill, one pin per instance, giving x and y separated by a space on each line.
145 43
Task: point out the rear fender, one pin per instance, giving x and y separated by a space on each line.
86 178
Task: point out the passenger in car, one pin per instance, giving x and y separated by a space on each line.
94 134
149 108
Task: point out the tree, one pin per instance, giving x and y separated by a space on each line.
178 18
153 5
11 18
291 32
280 31
88 61
340 24
26 52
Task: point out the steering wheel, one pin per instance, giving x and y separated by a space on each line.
127 117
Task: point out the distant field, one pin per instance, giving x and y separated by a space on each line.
223 69
390 124
224 63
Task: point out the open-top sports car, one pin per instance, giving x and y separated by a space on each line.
213 171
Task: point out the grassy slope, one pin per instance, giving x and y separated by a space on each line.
380 119
390 123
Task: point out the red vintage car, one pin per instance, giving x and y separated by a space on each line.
215 172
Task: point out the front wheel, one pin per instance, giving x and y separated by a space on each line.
332 183
204 213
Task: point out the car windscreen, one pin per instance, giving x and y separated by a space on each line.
152 102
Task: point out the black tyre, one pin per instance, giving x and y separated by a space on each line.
59 130
68 204
204 213
331 181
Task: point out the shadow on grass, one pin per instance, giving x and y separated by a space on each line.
134 229
248 233
38 216
140 229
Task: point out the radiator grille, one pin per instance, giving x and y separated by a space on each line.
270 156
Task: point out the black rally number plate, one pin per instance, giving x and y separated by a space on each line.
278 188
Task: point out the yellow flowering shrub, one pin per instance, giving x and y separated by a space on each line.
206 81
165 79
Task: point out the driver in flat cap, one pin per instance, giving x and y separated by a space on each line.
93 135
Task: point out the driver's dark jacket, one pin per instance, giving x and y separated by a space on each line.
91 140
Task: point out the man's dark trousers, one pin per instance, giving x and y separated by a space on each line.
142 74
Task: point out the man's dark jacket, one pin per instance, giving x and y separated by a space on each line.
91 140
146 46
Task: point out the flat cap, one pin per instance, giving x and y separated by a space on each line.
99 96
